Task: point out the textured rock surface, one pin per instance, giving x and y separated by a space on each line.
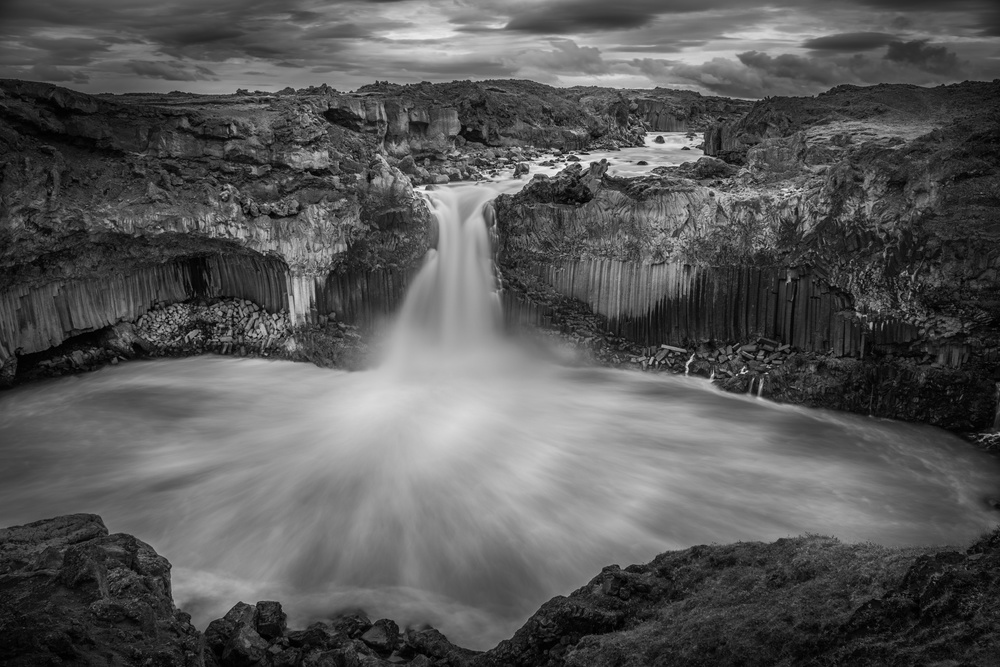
271 194
131 188
800 601
70 593
881 219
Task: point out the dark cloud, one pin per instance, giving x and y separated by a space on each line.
756 74
566 57
653 48
338 31
927 5
68 50
170 71
349 39
57 74
195 35
935 59
792 67
991 24
850 42
575 16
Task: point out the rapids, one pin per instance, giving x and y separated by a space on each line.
466 480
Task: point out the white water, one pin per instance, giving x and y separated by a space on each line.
466 481
626 162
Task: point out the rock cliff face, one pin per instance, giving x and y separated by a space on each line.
666 110
291 200
511 113
873 233
72 594
111 204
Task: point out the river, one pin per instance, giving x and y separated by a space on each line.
465 480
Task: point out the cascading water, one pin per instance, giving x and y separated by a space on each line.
452 308
464 482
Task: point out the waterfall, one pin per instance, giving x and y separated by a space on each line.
452 309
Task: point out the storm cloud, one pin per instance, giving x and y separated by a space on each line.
850 42
721 46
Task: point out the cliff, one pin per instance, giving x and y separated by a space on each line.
113 204
673 110
70 593
866 233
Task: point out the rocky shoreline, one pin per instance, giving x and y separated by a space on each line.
71 593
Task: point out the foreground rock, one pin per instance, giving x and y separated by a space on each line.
72 594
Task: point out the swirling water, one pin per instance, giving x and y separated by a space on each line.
466 480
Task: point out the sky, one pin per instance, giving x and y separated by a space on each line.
736 48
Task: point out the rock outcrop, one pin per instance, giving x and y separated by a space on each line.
667 110
70 593
111 204
511 113
864 236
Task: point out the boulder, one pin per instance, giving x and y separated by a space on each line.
70 593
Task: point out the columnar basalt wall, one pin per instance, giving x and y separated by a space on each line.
362 299
653 303
33 319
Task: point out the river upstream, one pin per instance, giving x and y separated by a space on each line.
464 481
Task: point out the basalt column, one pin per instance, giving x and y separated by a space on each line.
33 319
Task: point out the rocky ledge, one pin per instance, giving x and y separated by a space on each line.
71 593
858 228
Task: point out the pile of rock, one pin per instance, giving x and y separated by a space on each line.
228 326
475 164
716 360
258 635
71 361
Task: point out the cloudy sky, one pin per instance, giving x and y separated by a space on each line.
727 47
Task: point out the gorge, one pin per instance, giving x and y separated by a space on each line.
836 258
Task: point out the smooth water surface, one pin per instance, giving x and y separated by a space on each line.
459 499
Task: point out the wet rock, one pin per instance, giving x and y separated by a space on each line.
8 371
659 140
72 593
244 648
383 636
271 620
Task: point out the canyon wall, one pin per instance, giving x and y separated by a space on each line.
867 236
126 190
665 110
110 204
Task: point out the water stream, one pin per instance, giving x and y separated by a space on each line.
466 480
